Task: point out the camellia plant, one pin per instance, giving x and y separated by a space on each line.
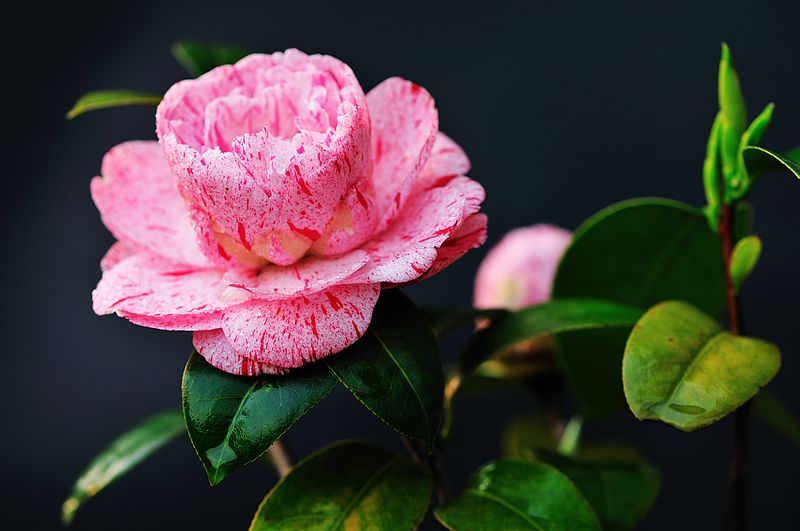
280 210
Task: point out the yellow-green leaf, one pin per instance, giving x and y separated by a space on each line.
120 457
104 99
682 368
743 259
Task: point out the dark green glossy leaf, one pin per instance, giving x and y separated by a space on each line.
637 252
444 320
512 494
620 492
198 58
104 99
395 369
232 420
743 259
348 485
769 409
682 368
121 456
544 319
758 159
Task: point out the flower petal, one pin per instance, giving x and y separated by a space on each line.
289 333
307 276
285 137
140 204
447 160
408 248
469 235
118 252
404 125
217 350
154 292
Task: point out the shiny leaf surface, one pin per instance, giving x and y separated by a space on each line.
637 252
682 368
512 494
198 58
121 456
751 137
743 259
395 369
348 485
232 420
758 159
620 492
544 319
105 99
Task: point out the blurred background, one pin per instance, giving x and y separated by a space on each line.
563 107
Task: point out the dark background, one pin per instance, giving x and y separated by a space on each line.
563 109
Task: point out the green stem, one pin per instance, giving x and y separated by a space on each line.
737 514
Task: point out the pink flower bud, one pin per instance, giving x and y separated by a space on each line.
519 271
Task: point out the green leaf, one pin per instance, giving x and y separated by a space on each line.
198 58
637 252
121 456
104 99
620 492
544 319
743 259
711 175
525 434
758 159
771 411
511 494
742 183
444 320
232 420
395 369
733 112
682 368
348 485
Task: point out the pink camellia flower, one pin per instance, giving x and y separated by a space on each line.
277 202
519 271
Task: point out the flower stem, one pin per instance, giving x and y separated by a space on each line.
434 463
737 515
280 458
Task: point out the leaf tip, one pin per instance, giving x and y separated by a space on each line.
68 510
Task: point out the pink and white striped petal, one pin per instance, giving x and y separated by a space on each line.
404 125
290 333
217 350
470 235
140 205
154 292
409 247
447 160
305 277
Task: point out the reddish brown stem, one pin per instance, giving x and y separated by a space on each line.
737 514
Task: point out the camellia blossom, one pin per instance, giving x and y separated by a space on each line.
519 271
277 202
